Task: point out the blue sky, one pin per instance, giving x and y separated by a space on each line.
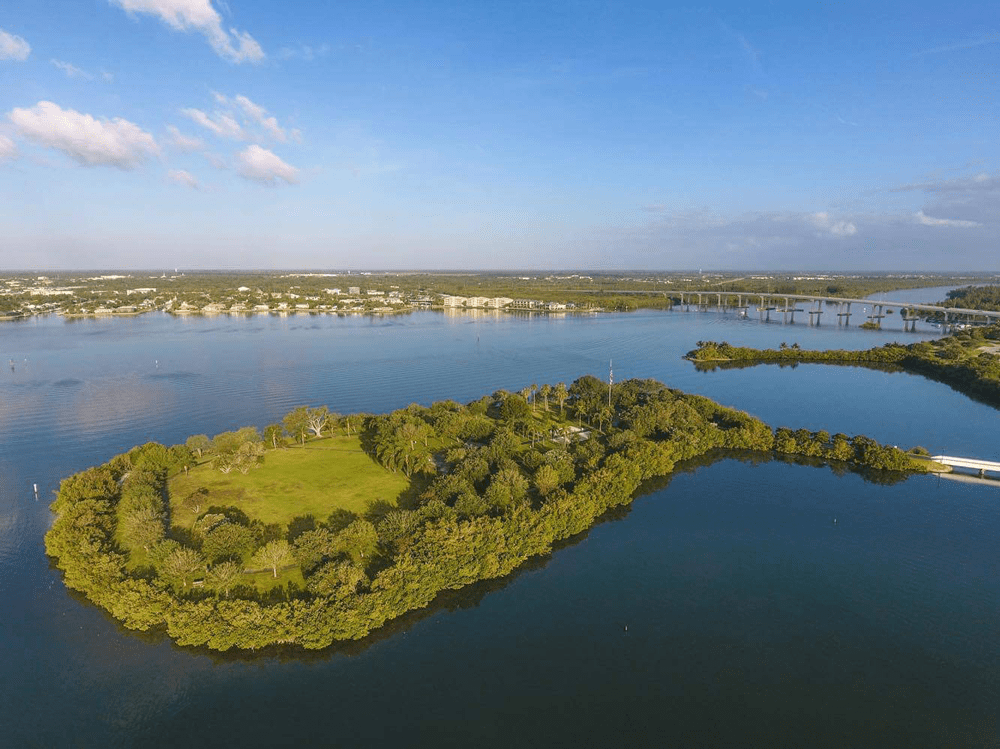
210 134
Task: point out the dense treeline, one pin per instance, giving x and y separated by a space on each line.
974 297
967 361
501 480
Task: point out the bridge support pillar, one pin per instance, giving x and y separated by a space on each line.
844 318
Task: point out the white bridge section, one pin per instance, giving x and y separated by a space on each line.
977 465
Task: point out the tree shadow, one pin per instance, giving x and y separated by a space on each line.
299 525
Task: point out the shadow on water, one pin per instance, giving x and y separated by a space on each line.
470 596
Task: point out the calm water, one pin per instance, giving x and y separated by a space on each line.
752 617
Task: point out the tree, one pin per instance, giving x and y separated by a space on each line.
228 541
352 422
195 499
337 579
546 479
359 541
296 423
274 554
143 527
223 577
274 434
180 565
508 488
246 457
561 394
198 443
312 548
514 406
605 415
317 419
545 391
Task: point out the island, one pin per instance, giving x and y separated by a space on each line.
968 360
323 528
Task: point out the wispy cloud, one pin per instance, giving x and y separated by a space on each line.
183 178
221 124
13 47
259 115
303 52
183 142
750 52
71 71
8 149
255 115
925 220
199 15
978 183
991 38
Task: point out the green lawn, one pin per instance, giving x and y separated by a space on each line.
324 475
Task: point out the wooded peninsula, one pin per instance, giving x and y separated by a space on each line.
968 361
323 528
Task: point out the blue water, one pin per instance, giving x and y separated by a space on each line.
752 617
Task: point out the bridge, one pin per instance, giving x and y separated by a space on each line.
787 306
977 465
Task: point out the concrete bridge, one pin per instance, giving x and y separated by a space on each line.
977 465
787 306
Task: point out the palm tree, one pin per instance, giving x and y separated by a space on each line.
546 391
561 394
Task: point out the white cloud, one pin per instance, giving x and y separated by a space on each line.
108 77
180 177
8 149
925 220
200 16
183 142
85 139
260 165
824 223
222 124
71 71
258 114
13 47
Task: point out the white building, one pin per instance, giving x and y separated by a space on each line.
454 301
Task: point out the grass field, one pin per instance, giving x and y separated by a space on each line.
324 475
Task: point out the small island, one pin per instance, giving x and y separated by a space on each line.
323 528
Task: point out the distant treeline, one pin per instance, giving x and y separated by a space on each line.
974 297
958 360
504 493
